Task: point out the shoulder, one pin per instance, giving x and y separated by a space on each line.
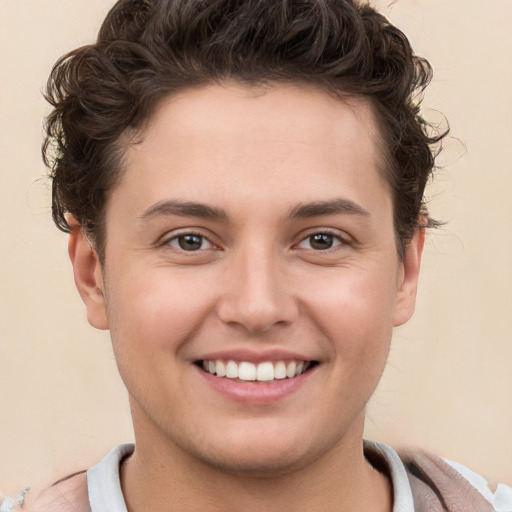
498 494
72 493
69 495
435 479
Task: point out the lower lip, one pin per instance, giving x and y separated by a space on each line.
256 393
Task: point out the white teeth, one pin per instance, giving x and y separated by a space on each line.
280 370
247 371
220 369
232 370
265 371
290 369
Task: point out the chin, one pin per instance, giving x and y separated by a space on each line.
264 451
263 462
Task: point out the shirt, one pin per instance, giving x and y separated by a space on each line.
105 493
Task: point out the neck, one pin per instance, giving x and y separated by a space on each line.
172 480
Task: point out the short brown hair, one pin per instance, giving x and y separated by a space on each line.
149 49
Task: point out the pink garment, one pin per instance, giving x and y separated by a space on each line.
437 487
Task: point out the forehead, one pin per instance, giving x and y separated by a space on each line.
284 111
266 139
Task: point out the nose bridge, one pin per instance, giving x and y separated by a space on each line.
257 295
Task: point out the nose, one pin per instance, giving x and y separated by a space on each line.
257 295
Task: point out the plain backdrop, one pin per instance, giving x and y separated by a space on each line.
448 384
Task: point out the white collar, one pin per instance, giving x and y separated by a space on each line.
105 493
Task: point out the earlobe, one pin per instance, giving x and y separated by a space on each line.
88 276
408 279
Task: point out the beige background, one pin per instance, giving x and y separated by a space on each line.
448 385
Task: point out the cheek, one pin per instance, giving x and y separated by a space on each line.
161 309
354 310
152 321
360 299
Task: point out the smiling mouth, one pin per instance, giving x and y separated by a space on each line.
250 372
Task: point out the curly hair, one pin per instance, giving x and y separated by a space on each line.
149 49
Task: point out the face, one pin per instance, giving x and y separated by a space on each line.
251 279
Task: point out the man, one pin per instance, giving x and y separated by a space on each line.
243 183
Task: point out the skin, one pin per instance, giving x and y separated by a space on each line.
254 156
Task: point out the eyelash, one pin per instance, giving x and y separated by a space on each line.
337 240
176 239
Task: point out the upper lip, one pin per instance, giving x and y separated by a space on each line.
252 356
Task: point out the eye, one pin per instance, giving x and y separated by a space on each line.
190 242
320 241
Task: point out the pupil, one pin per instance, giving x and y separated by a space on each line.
190 242
321 241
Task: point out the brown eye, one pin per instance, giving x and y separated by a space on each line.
190 242
320 242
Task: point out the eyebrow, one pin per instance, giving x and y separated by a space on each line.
301 211
186 209
331 207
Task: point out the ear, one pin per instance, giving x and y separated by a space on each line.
408 275
88 276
